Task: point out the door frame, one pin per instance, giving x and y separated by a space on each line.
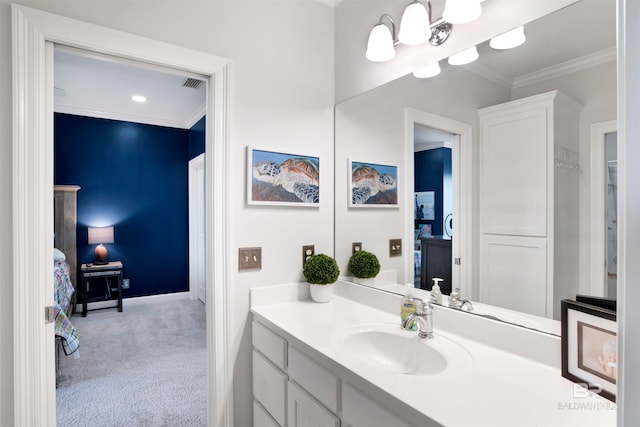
598 184
195 165
461 169
33 34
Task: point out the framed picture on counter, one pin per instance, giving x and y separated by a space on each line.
590 347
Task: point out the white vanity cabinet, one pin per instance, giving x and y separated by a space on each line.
293 390
529 207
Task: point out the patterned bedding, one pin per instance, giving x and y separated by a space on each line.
63 290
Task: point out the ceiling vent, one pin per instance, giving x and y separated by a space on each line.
192 83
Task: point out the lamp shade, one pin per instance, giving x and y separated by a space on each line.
99 235
465 57
431 70
415 27
380 45
509 40
461 11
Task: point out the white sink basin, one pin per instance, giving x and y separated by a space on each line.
389 347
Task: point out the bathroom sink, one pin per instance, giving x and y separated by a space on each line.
391 348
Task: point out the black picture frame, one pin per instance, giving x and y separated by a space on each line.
588 355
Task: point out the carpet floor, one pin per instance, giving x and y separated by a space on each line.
146 366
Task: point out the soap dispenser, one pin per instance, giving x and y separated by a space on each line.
436 293
408 306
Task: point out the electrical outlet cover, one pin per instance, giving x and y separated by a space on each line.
307 252
356 247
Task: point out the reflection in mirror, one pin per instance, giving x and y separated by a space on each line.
562 53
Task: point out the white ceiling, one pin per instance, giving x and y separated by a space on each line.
99 86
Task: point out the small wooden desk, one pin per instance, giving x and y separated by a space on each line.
90 271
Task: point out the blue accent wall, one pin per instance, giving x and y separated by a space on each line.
134 177
430 169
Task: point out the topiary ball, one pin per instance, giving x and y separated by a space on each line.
364 265
321 269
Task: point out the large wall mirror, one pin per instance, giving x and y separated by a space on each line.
430 130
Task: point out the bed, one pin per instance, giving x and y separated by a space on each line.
65 332
65 269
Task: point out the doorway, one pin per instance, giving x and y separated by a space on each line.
33 346
461 212
433 205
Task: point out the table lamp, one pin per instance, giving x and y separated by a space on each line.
100 235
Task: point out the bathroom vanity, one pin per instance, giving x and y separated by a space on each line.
348 363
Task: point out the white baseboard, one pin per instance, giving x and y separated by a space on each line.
130 302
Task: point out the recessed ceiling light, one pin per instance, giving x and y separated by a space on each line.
139 98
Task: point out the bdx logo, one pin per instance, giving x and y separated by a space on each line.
582 390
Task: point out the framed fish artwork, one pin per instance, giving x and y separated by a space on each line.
282 179
372 185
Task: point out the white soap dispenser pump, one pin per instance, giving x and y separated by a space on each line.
436 293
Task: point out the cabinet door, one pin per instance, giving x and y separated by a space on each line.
305 411
269 387
514 274
359 410
514 167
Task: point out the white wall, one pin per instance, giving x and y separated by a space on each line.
281 98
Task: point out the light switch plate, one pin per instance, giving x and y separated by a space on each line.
395 247
307 252
356 247
249 259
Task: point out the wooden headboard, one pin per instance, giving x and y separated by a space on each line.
64 227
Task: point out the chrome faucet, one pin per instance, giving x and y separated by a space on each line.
424 317
457 303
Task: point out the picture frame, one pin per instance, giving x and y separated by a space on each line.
276 178
372 185
589 347
425 205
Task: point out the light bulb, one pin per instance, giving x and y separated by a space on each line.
139 98
415 27
509 40
431 70
465 57
380 45
461 11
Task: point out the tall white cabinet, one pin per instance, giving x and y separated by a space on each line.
529 206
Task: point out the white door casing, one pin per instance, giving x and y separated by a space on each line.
597 261
461 171
197 241
33 35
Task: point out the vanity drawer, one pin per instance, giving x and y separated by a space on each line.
360 411
269 387
319 382
270 345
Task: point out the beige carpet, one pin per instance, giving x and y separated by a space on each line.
145 366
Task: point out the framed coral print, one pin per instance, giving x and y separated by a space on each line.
590 347
282 179
372 185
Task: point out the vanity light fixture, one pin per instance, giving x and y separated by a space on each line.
139 98
509 40
465 57
415 26
462 11
381 44
431 70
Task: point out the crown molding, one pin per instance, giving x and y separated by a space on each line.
120 116
568 67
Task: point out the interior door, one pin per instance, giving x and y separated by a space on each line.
197 282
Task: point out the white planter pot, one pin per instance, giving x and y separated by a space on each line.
321 293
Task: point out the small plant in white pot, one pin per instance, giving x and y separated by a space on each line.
364 266
321 271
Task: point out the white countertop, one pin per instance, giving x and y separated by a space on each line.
501 389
